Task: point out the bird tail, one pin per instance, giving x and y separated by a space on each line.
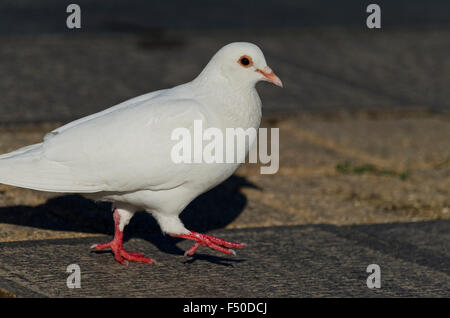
15 167
20 151
27 168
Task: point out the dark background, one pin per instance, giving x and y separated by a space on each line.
44 16
322 50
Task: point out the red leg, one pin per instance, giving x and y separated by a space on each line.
208 240
116 246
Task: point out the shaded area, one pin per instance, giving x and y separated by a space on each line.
424 243
212 210
47 16
297 261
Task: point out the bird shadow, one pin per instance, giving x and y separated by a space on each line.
212 210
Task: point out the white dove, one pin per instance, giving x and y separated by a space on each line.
123 154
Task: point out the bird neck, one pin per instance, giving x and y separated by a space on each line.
238 106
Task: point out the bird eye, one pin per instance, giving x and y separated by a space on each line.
245 61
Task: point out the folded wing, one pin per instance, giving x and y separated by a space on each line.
126 149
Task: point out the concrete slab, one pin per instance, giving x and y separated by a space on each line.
300 261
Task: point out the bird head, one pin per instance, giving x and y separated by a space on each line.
242 63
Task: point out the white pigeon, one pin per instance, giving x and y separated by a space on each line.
123 154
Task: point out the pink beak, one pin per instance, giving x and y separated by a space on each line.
270 76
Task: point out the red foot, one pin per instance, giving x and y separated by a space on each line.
208 240
116 246
121 255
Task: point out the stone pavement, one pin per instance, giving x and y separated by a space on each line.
297 261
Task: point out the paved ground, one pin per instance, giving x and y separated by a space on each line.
364 148
300 261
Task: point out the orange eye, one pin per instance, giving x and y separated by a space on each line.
245 61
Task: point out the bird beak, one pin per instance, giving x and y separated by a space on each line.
270 76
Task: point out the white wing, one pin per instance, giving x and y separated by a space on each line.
126 149
20 151
126 103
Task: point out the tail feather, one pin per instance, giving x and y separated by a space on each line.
20 151
26 168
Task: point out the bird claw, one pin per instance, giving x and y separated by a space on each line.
210 241
123 256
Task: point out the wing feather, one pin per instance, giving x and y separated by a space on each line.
126 149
